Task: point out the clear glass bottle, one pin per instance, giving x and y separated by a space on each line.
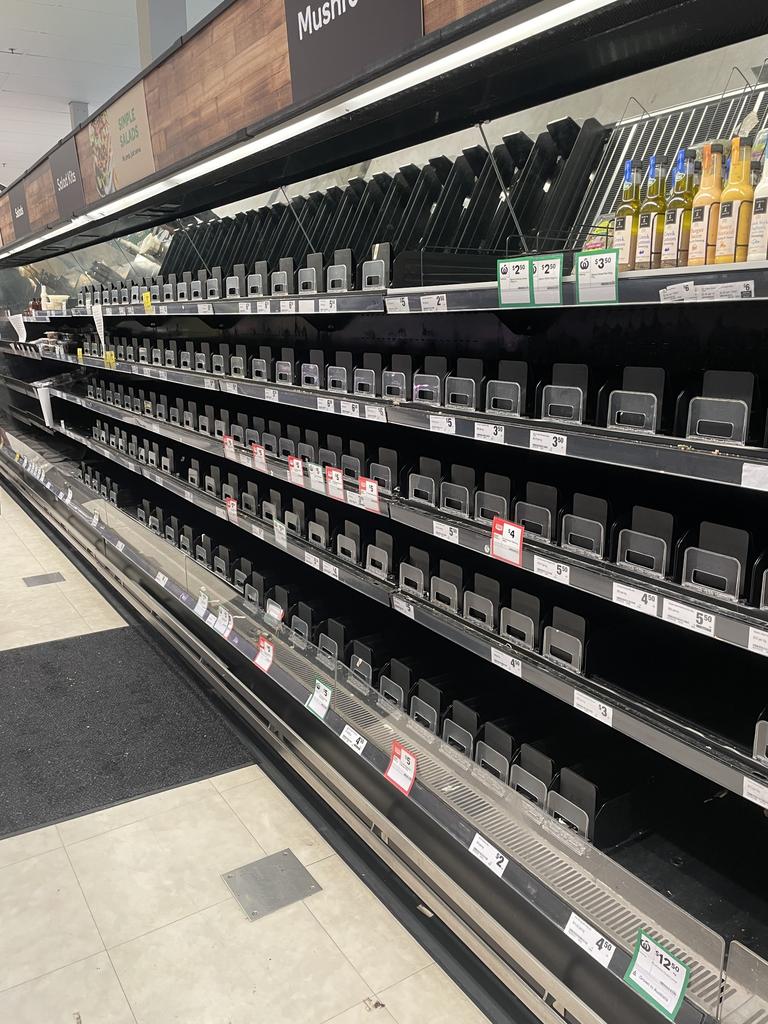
650 231
736 206
627 215
758 235
677 221
706 208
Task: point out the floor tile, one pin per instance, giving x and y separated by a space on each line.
77 829
46 923
30 844
87 991
158 870
376 944
430 996
217 967
370 1011
275 822
237 778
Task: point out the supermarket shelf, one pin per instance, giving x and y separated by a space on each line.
707 754
730 623
534 862
711 462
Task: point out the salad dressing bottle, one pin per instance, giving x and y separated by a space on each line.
650 231
736 206
677 222
758 236
627 216
706 208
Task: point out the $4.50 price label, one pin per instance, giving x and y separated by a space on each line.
658 976
590 940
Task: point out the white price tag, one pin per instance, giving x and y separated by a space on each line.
637 600
320 700
266 655
590 940
230 387
445 532
263 307
161 578
281 535
402 606
17 322
68 496
507 662
758 641
120 546
552 570
514 280
331 570
507 541
377 413
224 622
594 708
95 519
349 408
205 308
296 470
488 855
210 384
334 483
492 432
434 303
306 305
658 976
313 560
442 424
316 477
597 276
326 305
163 310
325 404
287 305
230 506
402 768
543 441
257 531
369 494
259 458
201 608
229 447
245 307
756 792
687 617
754 476
397 305
271 395
353 739
547 275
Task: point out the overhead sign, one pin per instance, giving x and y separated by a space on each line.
19 210
67 181
334 41
121 142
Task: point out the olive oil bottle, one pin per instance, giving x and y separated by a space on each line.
627 215
650 231
677 220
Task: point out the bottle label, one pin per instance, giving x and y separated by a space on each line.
758 238
644 241
699 230
669 242
622 238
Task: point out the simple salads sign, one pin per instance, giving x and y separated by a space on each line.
333 41
67 182
121 142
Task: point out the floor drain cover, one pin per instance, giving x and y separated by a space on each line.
41 581
269 884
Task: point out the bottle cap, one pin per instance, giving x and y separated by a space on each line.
690 154
637 165
745 140
716 147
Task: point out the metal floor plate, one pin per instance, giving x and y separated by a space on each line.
270 884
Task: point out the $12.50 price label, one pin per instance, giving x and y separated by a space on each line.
658 976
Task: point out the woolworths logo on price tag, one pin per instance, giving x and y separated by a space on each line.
658 976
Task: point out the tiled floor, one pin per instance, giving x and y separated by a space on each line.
121 917
43 613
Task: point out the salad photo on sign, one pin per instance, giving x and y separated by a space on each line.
100 135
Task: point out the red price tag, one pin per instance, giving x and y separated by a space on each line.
229 446
507 541
231 505
296 470
402 768
334 479
266 655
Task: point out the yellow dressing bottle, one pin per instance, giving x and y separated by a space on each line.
736 206
677 221
650 231
706 208
627 215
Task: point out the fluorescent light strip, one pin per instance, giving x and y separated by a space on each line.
516 29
